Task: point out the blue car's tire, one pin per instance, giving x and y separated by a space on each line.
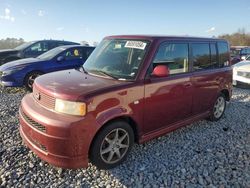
30 78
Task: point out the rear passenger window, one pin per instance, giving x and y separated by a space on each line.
214 60
173 55
223 54
86 53
201 56
52 45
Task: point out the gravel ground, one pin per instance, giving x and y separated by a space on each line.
204 154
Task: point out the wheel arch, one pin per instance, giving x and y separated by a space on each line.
124 118
226 93
30 72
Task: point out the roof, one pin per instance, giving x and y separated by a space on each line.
74 46
51 40
154 37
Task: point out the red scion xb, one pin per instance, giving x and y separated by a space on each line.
130 90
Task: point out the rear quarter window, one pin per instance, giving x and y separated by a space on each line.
86 53
223 51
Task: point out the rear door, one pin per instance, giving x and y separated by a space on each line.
208 73
168 99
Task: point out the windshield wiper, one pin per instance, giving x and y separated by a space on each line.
82 69
105 73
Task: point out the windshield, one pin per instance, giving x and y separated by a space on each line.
51 53
235 52
24 45
117 58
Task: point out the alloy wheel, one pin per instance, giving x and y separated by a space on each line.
114 146
219 107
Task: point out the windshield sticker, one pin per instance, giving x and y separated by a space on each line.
76 52
118 46
135 44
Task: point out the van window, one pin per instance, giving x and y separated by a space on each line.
174 55
201 56
214 60
223 54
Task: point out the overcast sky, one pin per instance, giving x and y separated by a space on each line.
92 20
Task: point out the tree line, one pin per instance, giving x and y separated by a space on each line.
239 38
10 43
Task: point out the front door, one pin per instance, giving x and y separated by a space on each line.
36 49
71 58
168 99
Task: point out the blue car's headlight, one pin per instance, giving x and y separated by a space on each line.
11 71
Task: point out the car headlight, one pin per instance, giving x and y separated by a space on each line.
243 74
69 107
10 71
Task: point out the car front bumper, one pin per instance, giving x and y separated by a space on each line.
59 139
11 81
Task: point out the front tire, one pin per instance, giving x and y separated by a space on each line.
112 145
30 78
218 108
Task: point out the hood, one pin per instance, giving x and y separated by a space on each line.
243 65
19 63
74 85
6 53
8 50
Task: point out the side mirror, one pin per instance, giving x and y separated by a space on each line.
60 58
160 71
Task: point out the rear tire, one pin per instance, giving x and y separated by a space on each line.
218 108
30 78
112 145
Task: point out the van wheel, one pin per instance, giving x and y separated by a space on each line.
218 108
30 78
112 145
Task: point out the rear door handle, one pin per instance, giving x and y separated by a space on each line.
186 85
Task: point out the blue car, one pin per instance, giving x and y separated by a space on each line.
23 72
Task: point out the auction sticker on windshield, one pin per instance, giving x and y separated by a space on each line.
135 44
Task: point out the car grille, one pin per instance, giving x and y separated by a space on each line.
32 123
43 99
243 74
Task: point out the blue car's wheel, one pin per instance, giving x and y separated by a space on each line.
30 78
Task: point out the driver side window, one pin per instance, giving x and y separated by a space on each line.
174 56
73 53
38 47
